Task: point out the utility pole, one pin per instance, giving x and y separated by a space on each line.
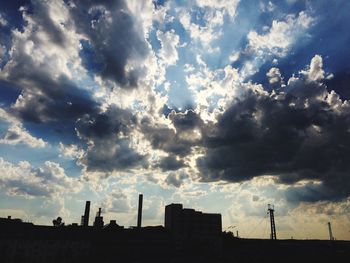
270 209
331 237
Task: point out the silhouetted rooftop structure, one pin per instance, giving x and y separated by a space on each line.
99 219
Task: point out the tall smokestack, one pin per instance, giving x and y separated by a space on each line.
139 214
86 214
330 231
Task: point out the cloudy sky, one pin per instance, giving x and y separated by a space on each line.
222 105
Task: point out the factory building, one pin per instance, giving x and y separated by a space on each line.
189 222
188 226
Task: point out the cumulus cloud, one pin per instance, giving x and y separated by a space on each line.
45 64
315 72
280 36
46 181
205 34
170 163
17 134
295 135
176 179
71 151
70 52
117 202
39 65
176 139
169 41
107 135
47 58
117 51
274 76
228 6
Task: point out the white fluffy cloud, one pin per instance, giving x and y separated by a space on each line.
280 36
229 6
71 151
274 76
117 201
169 41
17 134
46 181
202 34
315 72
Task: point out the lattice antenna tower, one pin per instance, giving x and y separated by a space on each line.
271 210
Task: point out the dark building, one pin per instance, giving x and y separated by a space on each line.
188 226
189 222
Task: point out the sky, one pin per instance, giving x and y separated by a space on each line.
223 106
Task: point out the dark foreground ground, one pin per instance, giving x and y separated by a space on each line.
260 250
24 242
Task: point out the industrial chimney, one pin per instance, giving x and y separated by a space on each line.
85 217
139 214
330 231
99 219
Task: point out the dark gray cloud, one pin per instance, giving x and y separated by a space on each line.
185 121
311 192
114 35
47 93
178 141
176 179
42 97
164 138
51 97
51 100
299 135
108 137
170 163
45 22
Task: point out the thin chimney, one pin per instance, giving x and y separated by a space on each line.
330 231
86 214
139 215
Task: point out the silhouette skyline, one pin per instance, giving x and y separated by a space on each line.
187 236
223 106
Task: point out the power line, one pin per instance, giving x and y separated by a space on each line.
253 229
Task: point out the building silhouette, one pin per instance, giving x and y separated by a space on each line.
191 223
193 229
185 232
187 236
